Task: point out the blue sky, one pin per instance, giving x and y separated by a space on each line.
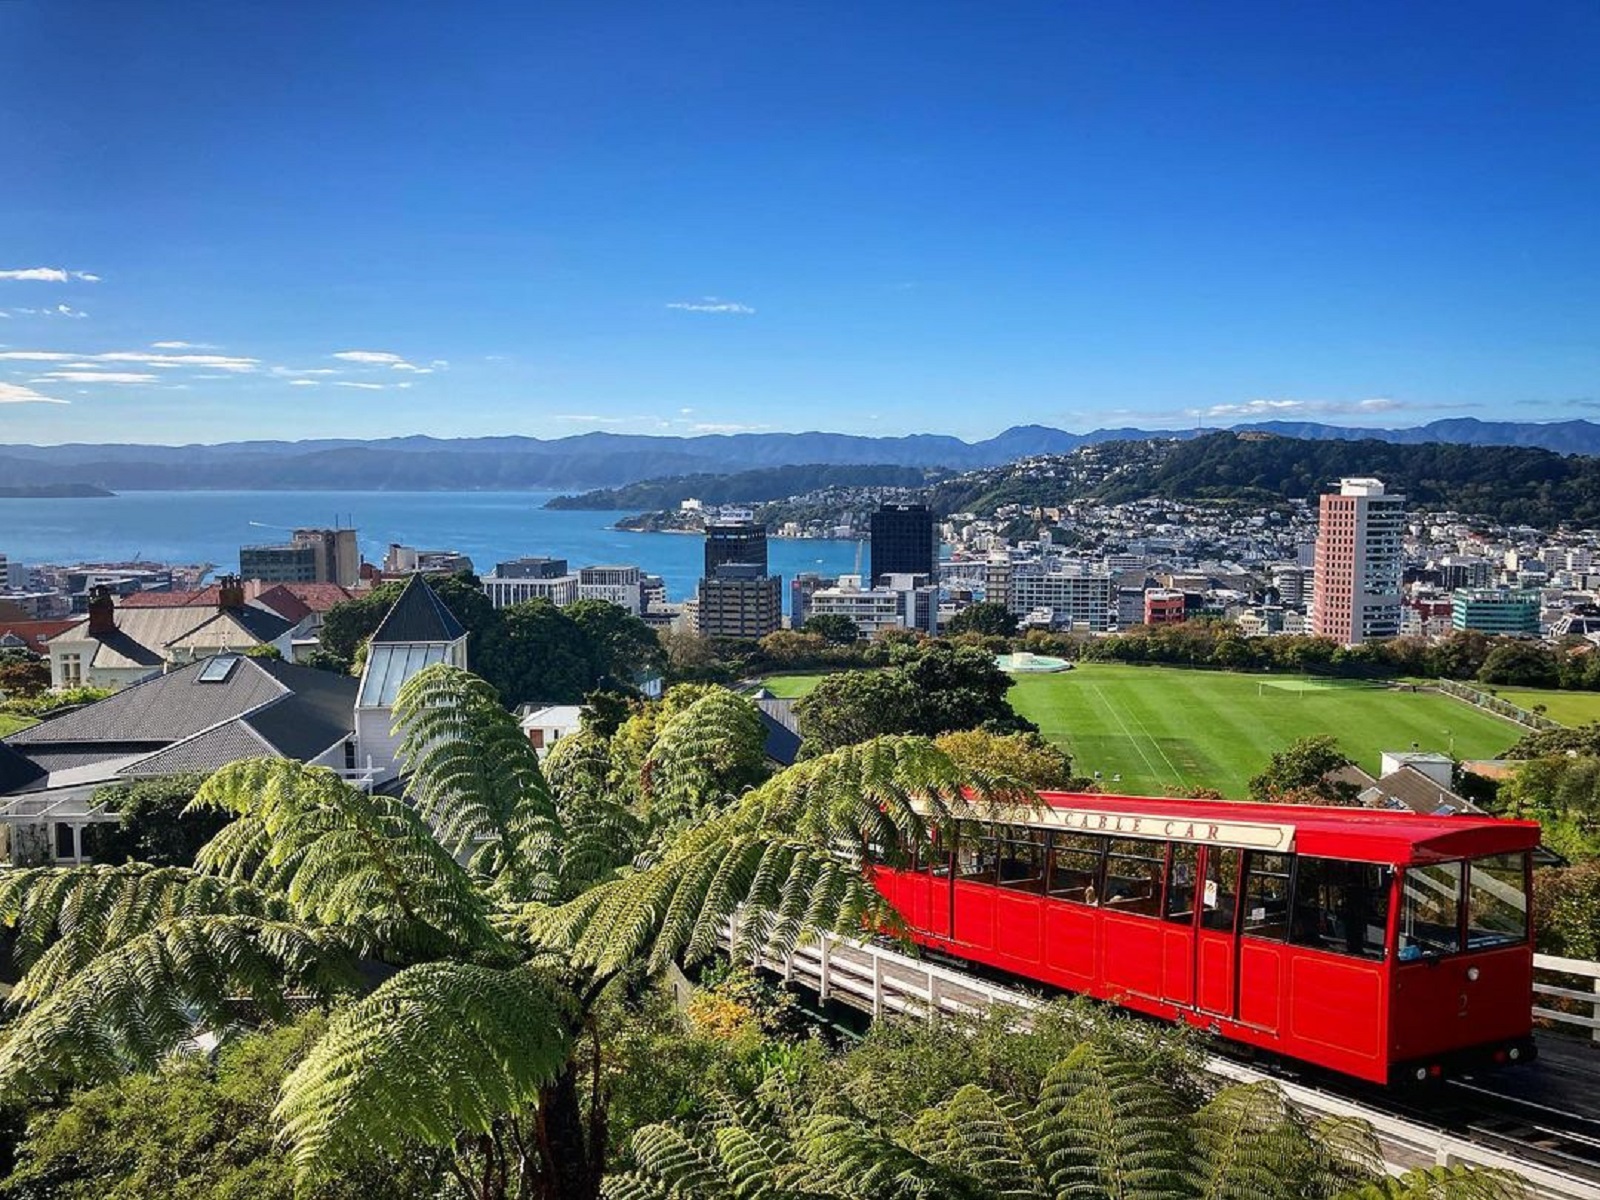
359 219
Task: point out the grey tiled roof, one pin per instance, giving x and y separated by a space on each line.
164 709
206 751
318 711
418 616
783 731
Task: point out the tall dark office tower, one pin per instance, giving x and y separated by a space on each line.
903 542
735 542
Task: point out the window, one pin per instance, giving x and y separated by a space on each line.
1341 907
1134 868
72 670
66 843
1497 901
1266 895
1430 922
1022 855
938 854
1181 881
975 853
1222 888
349 755
1075 867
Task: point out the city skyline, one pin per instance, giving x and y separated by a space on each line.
240 224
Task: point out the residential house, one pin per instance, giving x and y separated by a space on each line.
198 717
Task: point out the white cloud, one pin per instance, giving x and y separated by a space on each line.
36 274
47 275
15 393
366 387
100 377
725 427
217 362
711 304
295 373
60 310
182 346
1286 408
383 358
305 383
593 419
686 411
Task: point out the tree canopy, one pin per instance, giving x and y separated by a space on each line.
1299 774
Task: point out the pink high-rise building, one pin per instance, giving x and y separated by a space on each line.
1358 563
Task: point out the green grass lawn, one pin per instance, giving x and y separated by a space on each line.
1570 708
1166 726
10 723
791 685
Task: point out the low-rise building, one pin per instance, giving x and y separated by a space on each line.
1495 611
619 585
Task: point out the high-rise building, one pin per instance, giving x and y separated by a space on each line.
736 541
801 588
904 541
1358 563
1496 611
740 601
336 557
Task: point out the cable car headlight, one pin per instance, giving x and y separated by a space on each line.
1472 974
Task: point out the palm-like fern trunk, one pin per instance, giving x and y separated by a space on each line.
571 1150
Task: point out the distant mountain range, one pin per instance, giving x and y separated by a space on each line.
593 460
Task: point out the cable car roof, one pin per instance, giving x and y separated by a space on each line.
1358 834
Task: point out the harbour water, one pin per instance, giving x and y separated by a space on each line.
191 527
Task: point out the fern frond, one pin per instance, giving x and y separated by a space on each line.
65 916
475 779
702 760
1443 1183
438 1050
1248 1142
133 1004
1103 1127
342 857
984 1140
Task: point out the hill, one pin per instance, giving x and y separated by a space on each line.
594 460
745 487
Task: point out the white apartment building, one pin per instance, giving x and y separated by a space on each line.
872 609
619 585
560 590
1077 601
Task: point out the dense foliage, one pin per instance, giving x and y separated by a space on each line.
154 823
930 689
1299 774
988 617
743 487
532 651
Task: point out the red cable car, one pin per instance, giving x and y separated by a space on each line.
1388 946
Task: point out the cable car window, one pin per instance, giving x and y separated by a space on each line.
1497 901
1430 921
1075 867
975 853
1266 895
1022 855
1221 893
1134 868
1341 907
1181 882
938 854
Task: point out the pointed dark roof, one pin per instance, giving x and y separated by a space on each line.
419 616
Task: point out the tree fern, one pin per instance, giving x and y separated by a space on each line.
1443 1183
475 779
702 760
1104 1128
135 1003
64 917
983 1140
439 1050
342 857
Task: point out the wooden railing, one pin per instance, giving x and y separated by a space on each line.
1489 702
1586 997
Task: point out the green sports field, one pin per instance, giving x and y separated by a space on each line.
1160 727
791 685
1570 708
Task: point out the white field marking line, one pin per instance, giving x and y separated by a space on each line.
1128 733
1154 741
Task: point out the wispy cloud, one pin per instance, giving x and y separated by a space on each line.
395 362
725 427
15 393
1278 408
594 419
47 275
711 304
60 310
97 377
217 362
182 346
305 383
365 387
306 372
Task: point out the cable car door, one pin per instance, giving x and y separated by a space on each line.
1216 942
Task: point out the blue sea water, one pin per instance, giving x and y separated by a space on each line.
191 527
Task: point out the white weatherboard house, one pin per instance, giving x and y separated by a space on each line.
418 632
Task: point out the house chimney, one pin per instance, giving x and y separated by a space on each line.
230 594
102 612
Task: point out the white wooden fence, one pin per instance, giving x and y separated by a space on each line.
1546 965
